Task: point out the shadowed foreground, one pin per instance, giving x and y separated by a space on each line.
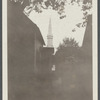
70 81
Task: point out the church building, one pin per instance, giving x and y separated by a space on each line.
26 51
47 52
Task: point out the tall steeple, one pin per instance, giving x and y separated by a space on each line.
50 36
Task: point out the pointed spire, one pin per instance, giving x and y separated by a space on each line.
50 28
50 36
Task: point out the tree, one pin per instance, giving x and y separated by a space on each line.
57 5
68 49
87 43
68 42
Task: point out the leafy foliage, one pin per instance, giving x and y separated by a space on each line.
68 49
57 5
68 42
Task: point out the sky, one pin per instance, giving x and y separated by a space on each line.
61 28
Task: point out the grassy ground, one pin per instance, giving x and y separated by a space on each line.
70 81
74 80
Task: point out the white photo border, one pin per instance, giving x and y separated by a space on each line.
4 51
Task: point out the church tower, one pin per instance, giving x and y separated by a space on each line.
50 36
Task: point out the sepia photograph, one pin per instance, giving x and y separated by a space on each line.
51 50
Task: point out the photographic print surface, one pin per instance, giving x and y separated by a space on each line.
49 45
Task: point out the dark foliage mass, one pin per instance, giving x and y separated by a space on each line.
67 50
67 42
57 5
